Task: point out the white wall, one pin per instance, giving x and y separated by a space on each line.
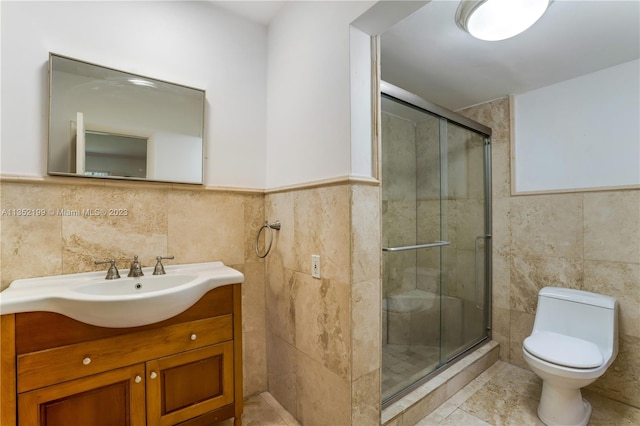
175 158
309 95
582 133
361 82
191 43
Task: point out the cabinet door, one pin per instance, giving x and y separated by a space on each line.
113 398
189 384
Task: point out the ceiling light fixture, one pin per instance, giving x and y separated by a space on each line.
141 82
494 20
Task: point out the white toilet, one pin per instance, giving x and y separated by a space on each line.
573 342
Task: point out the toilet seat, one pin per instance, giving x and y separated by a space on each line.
563 350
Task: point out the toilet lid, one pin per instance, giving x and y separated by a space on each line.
564 350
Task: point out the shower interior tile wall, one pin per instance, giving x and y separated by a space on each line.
410 202
413 212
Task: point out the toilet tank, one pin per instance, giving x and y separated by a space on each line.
581 314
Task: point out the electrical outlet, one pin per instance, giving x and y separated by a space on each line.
315 266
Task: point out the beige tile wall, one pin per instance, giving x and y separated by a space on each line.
366 294
584 240
193 225
323 335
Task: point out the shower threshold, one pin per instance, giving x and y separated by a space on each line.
431 392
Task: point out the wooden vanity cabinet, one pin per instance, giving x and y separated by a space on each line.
116 397
189 384
183 371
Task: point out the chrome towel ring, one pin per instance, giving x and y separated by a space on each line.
270 227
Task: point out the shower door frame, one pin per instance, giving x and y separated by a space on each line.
404 97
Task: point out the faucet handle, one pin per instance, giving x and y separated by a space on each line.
112 273
159 268
135 270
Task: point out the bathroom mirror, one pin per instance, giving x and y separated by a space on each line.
107 123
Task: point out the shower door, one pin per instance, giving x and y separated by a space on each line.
436 239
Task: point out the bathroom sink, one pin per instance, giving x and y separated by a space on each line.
124 302
133 286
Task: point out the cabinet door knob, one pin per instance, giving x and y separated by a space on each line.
86 361
153 375
193 336
138 379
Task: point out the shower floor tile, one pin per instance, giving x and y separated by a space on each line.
405 364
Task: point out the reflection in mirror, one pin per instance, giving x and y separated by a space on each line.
111 124
115 155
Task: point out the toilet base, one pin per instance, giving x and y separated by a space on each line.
563 407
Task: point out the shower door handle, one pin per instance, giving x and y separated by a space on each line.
479 304
416 247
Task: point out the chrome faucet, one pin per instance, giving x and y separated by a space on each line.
159 269
112 273
135 270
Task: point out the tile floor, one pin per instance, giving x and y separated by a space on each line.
508 395
263 410
504 395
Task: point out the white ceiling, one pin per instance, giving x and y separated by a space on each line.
428 54
259 11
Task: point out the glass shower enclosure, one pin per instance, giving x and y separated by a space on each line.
436 236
